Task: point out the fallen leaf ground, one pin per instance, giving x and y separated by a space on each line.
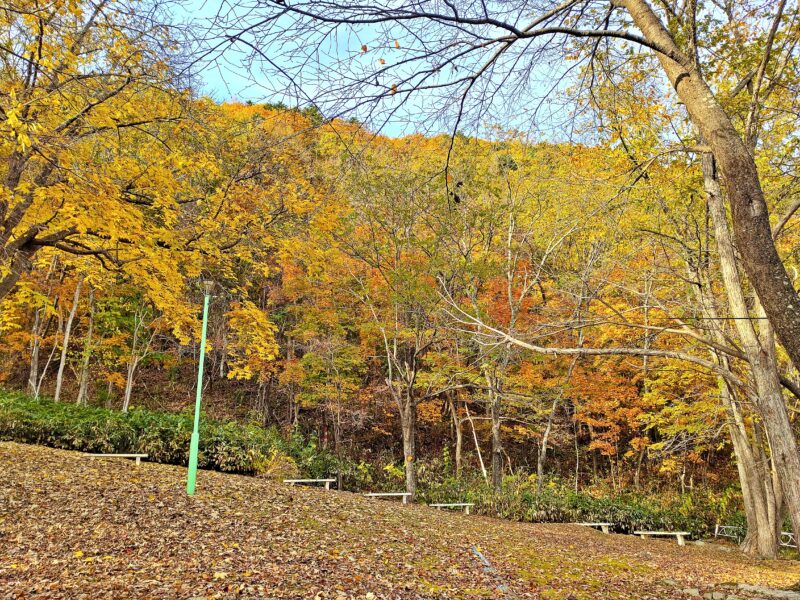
77 527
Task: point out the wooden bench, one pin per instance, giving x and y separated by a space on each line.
404 495
465 505
326 481
680 535
138 457
604 527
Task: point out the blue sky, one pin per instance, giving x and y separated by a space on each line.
229 77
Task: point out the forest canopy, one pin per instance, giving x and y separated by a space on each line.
494 308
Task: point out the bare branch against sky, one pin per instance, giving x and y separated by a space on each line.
425 66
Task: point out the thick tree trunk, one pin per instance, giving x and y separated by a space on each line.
408 422
759 487
761 356
737 166
65 342
756 489
20 264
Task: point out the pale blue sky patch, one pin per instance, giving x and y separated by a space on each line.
382 74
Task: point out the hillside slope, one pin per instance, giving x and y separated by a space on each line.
76 527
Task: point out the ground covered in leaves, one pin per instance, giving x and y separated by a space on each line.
77 527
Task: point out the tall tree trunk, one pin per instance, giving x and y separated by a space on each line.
542 454
408 422
737 166
758 486
648 289
36 343
126 399
336 422
497 444
477 445
83 387
761 356
458 431
638 472
577 456
47 365
65 341
495 418
760 538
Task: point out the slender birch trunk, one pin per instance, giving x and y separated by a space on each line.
477 445
36 342
83 387
459 434
65 341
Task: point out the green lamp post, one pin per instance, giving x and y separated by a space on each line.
195 443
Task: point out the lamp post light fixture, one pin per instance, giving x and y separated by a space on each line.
194 447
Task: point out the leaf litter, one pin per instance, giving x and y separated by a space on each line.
77 527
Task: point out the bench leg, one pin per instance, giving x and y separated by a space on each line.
680 540
327 485
643 536
138 460
604 528
405 499
466 510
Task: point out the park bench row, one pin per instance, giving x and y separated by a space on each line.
404 496
680 536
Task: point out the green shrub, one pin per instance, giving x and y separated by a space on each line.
224 445
560 503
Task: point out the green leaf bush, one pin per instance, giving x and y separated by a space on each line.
560 503
224 445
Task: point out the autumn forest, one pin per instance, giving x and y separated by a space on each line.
599 323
